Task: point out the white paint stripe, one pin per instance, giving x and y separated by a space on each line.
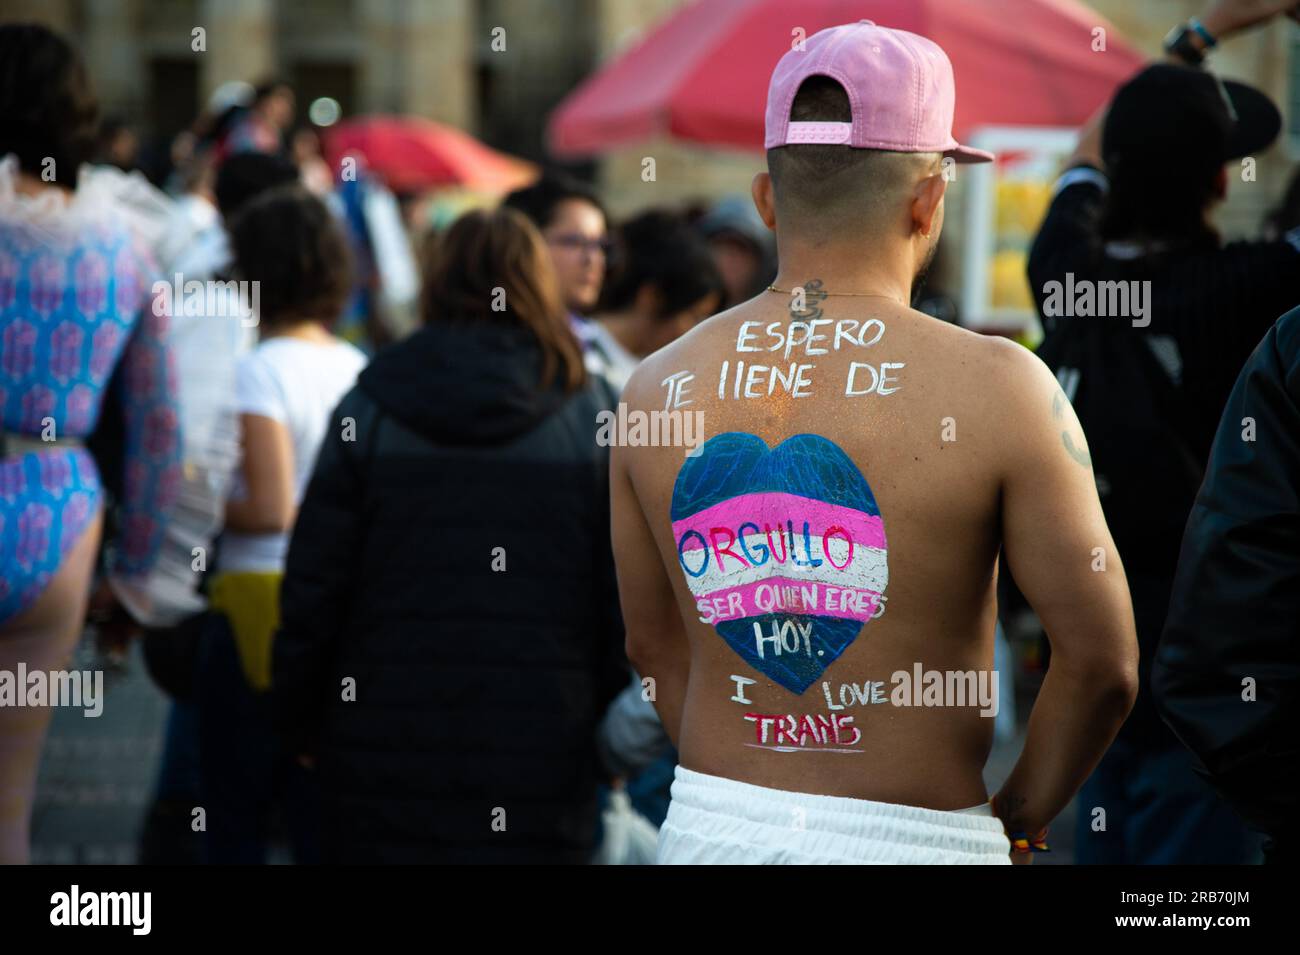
869 570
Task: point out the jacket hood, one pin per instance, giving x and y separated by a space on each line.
473 382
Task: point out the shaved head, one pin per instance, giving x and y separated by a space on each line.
825 193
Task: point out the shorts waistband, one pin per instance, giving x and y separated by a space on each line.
809 827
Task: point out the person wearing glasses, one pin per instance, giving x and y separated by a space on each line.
575 228
662 284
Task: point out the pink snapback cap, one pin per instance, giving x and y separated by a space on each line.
899 84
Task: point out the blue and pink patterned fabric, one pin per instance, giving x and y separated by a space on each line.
72 308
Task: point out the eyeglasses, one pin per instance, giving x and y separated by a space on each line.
580 243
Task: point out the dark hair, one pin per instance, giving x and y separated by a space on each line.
287 241
47 108
1158 199
212 128
659 249
539 201
835 189
823 100
268 88
244 176
484 251
110 128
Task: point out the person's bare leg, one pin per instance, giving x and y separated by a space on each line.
42 637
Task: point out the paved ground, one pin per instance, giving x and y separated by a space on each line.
97 776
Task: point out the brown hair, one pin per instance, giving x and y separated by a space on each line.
48 107
286 240
485 254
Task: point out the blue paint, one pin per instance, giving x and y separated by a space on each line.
738 463
681 553
808 465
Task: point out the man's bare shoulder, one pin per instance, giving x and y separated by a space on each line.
1006 370
1016 372
1026 405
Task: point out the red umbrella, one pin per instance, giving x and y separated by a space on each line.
412 155
702 74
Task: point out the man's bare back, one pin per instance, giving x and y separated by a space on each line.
812 591
832 546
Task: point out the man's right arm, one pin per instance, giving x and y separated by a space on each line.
1061 554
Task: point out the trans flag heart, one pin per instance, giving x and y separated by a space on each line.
783 549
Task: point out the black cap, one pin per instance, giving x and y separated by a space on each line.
1169 112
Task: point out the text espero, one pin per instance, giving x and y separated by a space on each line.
802 339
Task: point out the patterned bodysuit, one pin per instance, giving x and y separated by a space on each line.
73 304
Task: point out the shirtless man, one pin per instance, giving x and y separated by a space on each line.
836 535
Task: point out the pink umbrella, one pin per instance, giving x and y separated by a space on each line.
702 74
413 155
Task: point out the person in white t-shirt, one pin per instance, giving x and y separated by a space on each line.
285 389
288 244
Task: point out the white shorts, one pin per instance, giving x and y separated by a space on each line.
713 820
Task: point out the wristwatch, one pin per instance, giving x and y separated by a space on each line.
1189 42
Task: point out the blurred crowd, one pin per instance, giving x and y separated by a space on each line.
191 433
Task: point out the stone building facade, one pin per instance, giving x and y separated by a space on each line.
497 68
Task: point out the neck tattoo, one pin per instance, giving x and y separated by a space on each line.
814 288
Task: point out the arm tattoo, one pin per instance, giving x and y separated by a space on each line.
1080 455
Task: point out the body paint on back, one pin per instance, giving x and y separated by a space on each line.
783 549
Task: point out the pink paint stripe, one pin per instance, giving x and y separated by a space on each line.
774 508
847 603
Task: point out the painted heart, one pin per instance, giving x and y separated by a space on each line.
783 549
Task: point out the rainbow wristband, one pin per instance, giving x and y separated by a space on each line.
1023 842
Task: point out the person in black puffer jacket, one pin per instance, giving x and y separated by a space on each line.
1227 674
450 624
